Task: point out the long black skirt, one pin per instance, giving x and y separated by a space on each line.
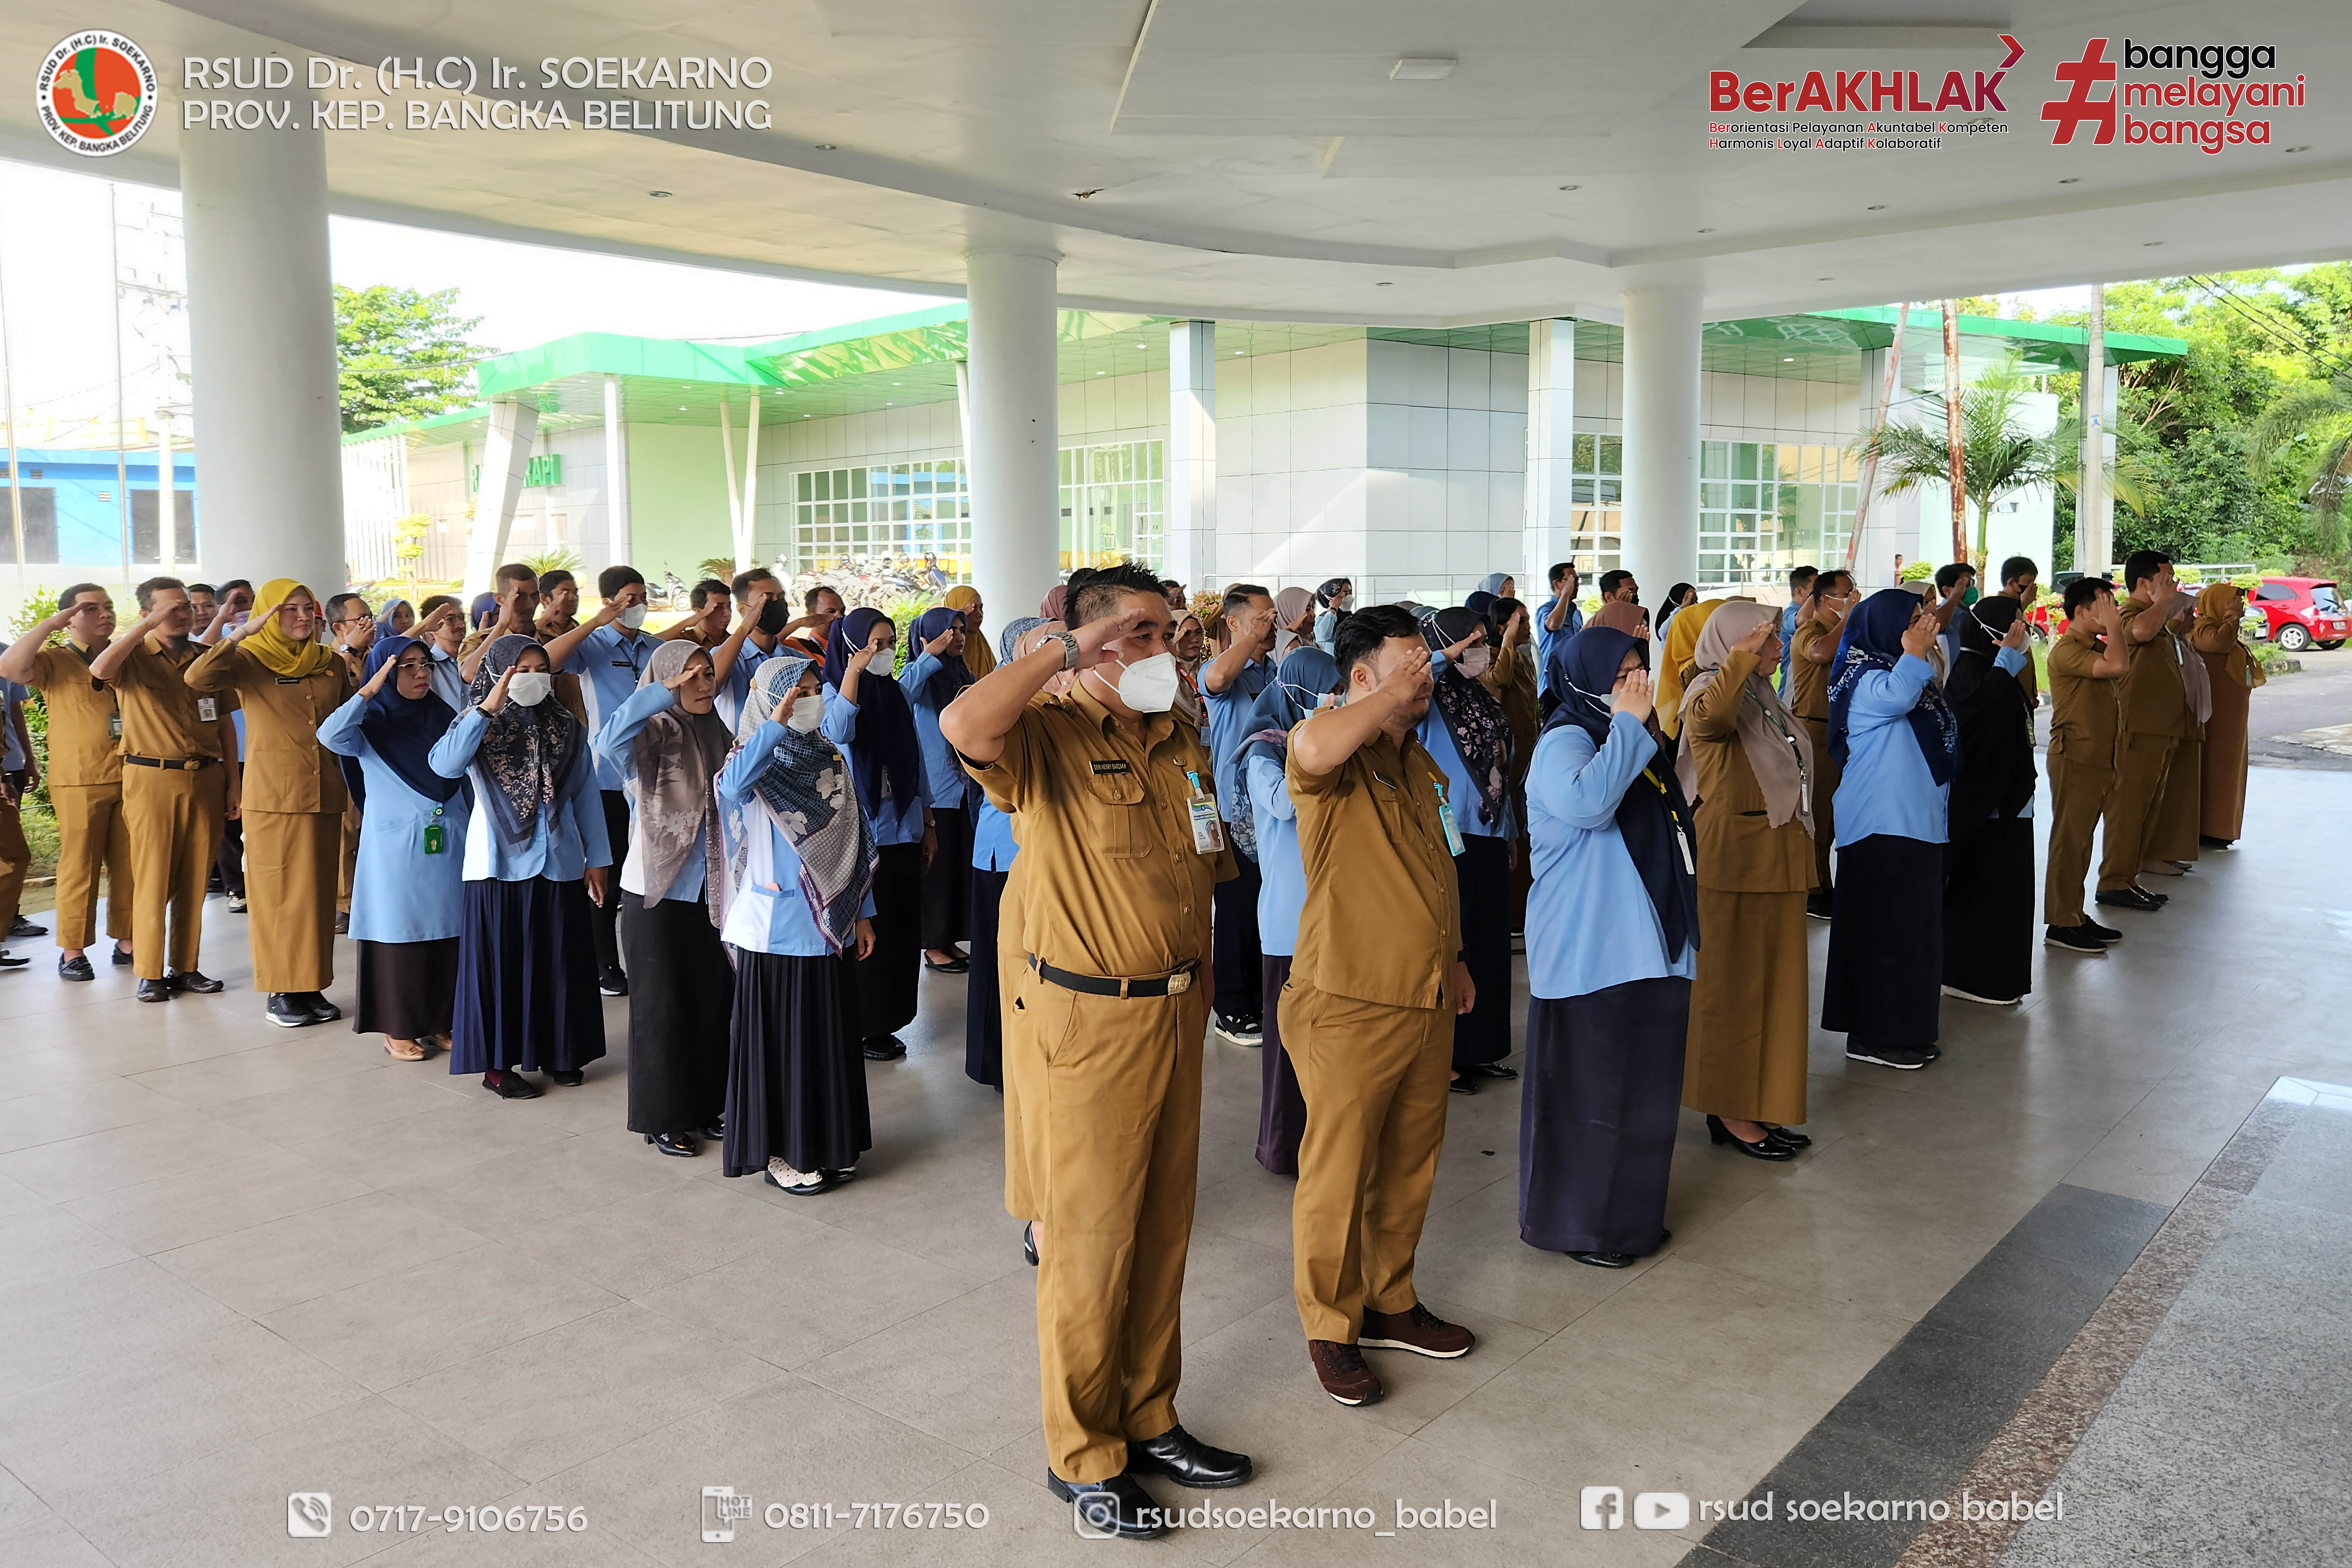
885 982
681 996
796 1081
1988 911
983 1024
1597 1112
1886 943
527 978
946 881
1234 952
1483 872
1282 1109
408 990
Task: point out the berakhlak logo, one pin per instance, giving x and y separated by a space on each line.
2078 105
95 93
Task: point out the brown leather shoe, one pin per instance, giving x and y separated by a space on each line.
1344 1375
1418 1330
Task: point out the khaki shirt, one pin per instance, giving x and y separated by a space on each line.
1740 850
162 716
1810 695
2154 700
83 748
286 769
1382 919
2084 713
1113 885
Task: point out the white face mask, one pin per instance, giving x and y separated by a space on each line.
634 616
1149 684
530 688
807 713
1475 661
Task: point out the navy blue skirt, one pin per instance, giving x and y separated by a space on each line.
795 1074
527 992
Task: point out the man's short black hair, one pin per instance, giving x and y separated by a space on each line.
2081 592
1560 569
1502 610
613 579
155 585
556 578
1239 594
1945 576
1099 594
514 572
2142 565
1827 581
338 606
808 599
1360 636
1610 580
1169 584
701 594
2018 566
434 602
69 595
197 588
1802 577
233 584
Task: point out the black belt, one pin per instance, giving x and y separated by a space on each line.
1174 985
172 764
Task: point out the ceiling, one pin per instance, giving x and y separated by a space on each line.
1247 161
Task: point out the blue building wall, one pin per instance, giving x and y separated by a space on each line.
72 515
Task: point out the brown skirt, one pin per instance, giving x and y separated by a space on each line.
291 860
2174 834
1749 1024
2222 799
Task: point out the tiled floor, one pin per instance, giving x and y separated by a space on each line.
241 1262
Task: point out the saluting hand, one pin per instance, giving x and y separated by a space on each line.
874 644
2015 636
1454 650
1635 693
375 682
1753 643
1408 680
939 645
757 605
1920 635
1110 628
671 683
496 698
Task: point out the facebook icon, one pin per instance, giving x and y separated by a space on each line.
1604 1507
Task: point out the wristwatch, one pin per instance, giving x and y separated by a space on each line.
1069 649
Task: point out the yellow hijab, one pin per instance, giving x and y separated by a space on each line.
1682 648
279 653
978 657
2219 607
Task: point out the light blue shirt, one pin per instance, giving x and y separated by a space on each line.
1461 790
738 684
448 681
399 893
567 838
952 787
993 844
769 913
616 745
896 821
1787 640
610 661
1327 630
1887 788
1281 887
1229 712
1546 636
1590 923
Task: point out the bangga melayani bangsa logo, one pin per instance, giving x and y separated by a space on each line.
96 93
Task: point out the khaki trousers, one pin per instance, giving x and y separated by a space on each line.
2173 835
92 833
2078 794
15 859
1374 1079
2142 762
290 858
175 820
1110 1096
1826 775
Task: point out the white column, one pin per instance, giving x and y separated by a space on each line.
1661 508
1015 485
616 475
1192 492
167 498
506 459
1552 449
2094 501
747 536
261 326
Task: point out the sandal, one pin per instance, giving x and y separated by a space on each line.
412 1053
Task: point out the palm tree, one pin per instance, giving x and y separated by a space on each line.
2310 430
1997 457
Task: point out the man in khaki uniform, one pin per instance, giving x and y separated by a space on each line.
2085 666
2155 718
179 777
1121 845
1813 645
85 773
1368 1014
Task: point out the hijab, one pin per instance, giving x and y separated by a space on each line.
484 611
1874 640
1289 607
1995 718
978 657
1331 588
1480 603
1680 637
279 654
1025 638
805 787
886 749
1492 583
2219 607
954 672
1778 751
1473 718
1305 675
1652 816
401 729
528 756
1615 614
1008 641
1050 607
676 756
385 614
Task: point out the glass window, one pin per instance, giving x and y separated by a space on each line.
900 512
1113 503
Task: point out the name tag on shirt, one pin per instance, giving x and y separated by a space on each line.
1103 767
623 664
290 680
207 711
115 726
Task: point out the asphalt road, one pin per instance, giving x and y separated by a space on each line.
2304 720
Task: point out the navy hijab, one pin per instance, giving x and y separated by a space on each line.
885 747
1651 813
953 674
1874 640
403 730
1305 675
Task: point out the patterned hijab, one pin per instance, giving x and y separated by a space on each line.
677 753
1874 640
804 788
1475 721
279 654
527 754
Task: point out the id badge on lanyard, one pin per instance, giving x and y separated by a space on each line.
1681 843
1453 845
207 710
1201 806
436 835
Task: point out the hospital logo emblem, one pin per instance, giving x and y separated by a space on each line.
95 93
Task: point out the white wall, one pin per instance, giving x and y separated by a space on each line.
1446 452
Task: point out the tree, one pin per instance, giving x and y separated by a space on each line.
2307 434
402 355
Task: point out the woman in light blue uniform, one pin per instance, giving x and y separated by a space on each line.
800 863
1465 732
867 715
1612 943
535 854
408 888
1305 676
1332 600
932 679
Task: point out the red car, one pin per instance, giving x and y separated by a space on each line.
2296 612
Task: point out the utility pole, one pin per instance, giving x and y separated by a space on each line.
1955 476
2093 514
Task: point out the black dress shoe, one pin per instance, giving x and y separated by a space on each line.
571 1080
1492 1070
1764 1148
286 1010
676 1143
1186 1460
811 1184
195 979
343 923
1794 1140
1118 1506
1029 1242
1605 1260
156 991
613 983
2104 933
10 961
1463 1084
23 927
714 1133
76 968
884 1049
509 1084
120 958
321 1010
952 966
